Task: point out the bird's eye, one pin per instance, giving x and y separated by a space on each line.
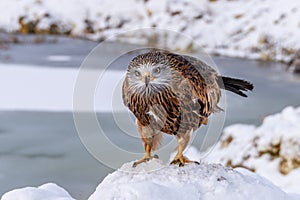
137 73
157 70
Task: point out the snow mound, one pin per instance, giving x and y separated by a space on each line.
154 180
271 150
49 191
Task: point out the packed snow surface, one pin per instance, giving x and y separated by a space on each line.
154 180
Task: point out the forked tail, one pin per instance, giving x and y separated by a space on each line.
237 86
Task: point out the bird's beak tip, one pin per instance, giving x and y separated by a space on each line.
146 76
146 81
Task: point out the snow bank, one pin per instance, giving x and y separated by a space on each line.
154 180
253 29
49 191
272 150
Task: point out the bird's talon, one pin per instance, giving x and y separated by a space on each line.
174 162
155 156
182 161
144 159
134 164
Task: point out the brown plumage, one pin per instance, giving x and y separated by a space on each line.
173 94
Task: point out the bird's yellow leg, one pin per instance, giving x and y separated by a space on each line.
146 157
179 158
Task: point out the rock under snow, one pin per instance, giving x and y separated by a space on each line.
272 150
155 180
49 191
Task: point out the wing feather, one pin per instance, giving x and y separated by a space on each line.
202 79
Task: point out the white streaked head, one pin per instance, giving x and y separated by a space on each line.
148 74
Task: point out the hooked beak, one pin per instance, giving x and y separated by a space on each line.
147 78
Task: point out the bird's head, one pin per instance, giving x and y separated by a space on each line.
149 70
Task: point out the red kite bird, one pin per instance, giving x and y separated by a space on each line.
173 94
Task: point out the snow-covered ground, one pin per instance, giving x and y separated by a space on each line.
154 180
272 150
49 191
254 29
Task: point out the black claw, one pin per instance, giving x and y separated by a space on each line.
134 164
181 164
173 162
196 162
144 160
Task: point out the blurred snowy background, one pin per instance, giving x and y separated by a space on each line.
266 30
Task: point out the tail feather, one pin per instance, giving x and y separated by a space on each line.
234 85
